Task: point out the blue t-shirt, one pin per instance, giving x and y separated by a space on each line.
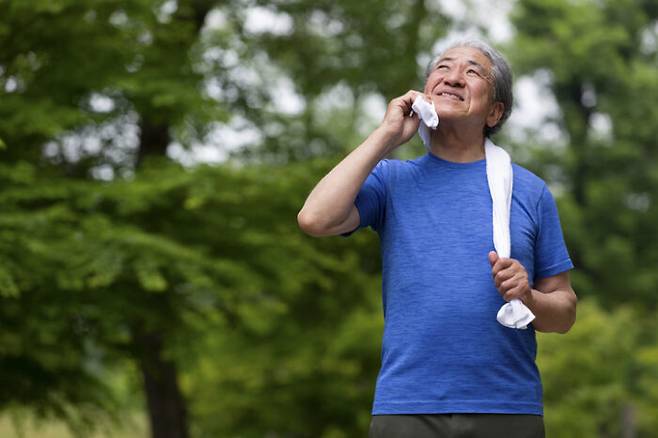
443 351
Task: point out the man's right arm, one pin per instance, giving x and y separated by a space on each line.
329 209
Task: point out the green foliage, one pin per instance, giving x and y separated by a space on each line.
45 53
603 369
346 47
599 379
57 59
185 252
275 332
303 360
602 69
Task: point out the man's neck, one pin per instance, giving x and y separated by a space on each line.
459 146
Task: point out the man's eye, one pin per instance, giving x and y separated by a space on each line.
473 72
442 67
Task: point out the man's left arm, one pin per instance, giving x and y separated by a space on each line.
553 301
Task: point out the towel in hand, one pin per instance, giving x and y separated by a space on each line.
428 117
514 314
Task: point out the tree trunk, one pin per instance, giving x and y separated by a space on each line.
628 421
166 407
577 117
165 403
153 140
164 400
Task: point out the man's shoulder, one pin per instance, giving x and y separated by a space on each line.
527 181
397 167
404 163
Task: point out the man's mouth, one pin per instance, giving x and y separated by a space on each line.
451 95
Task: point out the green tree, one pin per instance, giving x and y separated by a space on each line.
361 48
58 59
603 75
303 362
587 390
135 268
92 269
601 61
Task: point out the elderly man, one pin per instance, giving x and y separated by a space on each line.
449 368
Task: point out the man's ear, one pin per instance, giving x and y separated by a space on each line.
497 110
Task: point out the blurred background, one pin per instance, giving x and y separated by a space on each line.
154 155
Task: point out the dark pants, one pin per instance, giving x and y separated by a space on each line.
457 426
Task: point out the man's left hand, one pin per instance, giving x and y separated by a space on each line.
510 277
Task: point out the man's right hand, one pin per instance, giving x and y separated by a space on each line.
329 208
400 123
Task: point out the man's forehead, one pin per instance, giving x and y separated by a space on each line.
468 54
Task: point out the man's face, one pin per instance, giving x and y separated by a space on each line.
461 87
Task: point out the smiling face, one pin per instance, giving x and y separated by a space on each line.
461 87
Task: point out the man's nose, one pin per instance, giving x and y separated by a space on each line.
454 77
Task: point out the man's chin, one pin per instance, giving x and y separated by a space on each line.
446 115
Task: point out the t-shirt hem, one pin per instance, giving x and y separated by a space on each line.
462 407
555 269
360 208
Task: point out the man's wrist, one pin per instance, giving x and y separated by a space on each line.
387 137
529 298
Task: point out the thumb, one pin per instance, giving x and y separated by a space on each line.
493 257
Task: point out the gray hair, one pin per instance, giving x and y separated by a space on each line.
502 77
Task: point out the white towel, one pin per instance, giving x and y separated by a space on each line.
428 116
514 314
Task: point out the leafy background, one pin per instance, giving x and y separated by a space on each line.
153 157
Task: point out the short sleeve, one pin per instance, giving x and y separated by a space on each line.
371 199
551 255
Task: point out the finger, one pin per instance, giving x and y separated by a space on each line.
412 94
493 256
513 293
501 263
409 97
502 276
511 282
405 102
